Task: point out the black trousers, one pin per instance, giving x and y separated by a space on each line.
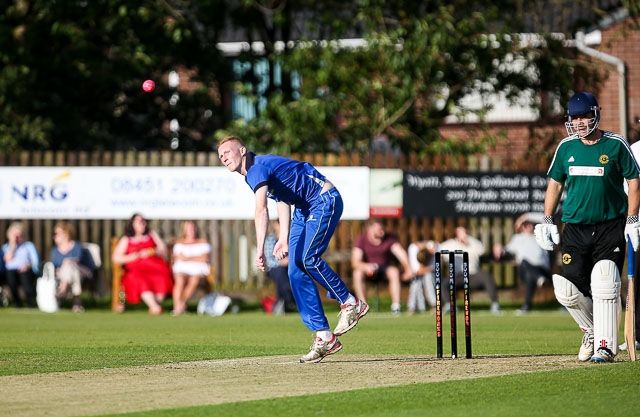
529 275
26 280
583 245
280 276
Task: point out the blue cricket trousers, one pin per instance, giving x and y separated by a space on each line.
311 230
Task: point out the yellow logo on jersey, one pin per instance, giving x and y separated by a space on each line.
604 159
566 258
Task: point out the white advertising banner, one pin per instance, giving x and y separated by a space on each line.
156 192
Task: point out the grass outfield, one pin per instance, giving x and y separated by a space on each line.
33 344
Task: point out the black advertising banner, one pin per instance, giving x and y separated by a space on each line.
471 194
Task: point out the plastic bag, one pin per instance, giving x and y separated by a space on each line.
214 304
46 290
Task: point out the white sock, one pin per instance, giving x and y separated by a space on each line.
395 306
325 335
350 300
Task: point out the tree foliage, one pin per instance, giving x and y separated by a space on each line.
72 72
422 61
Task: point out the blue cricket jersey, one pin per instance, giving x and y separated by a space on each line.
293 182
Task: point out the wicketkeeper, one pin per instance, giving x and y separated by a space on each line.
590 164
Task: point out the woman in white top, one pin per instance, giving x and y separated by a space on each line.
191 256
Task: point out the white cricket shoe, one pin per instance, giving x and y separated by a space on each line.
586 349
349 316
321 349
624 346
603 355
495 308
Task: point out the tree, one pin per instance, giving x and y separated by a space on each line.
420 61
72 72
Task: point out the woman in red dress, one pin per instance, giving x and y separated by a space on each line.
147 275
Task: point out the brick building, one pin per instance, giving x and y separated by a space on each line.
616 39
621 40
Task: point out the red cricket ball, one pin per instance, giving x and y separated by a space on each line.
148 86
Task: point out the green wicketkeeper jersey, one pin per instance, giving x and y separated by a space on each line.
593 177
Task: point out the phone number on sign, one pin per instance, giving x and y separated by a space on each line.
151 185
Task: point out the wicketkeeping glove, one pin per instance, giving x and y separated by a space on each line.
632 231
547 234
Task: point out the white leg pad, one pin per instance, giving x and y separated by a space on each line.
579 306
605 289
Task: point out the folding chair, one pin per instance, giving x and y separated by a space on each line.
94 284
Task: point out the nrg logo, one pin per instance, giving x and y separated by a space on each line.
57 191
